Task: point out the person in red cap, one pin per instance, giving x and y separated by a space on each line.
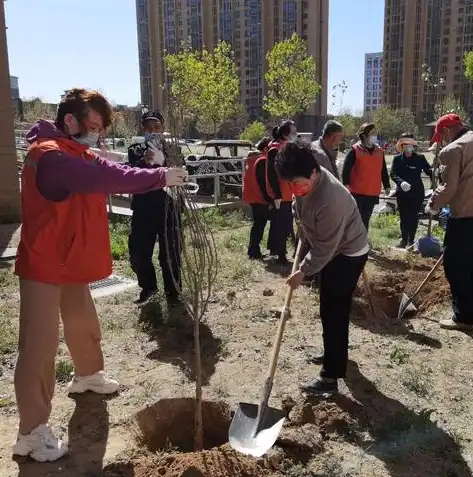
456 160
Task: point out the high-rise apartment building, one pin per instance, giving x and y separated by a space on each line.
252 27
9 185
373 81
435 33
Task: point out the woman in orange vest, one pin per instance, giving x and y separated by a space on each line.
256 195
64 246
364 170
282 221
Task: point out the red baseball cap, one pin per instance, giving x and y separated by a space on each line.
446 121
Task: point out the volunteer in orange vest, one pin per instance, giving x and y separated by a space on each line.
256 195
282 221
364 170
64 246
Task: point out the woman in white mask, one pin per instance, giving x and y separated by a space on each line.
406 170
364 170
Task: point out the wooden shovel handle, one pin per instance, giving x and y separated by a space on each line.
282 320
426 279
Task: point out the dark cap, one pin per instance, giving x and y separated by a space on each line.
365 128
152 115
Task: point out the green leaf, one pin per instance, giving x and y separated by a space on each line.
291 78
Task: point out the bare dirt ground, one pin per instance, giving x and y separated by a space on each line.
404 410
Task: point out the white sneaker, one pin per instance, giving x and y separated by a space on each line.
98 383
40 444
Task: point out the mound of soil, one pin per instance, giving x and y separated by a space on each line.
329 419
221 462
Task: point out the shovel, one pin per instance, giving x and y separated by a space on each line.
406 302
255 428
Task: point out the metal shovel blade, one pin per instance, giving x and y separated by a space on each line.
405 306
251 434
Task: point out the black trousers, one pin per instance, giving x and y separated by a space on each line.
148 226
458 266
261 215
365 204
338 282
280 229
409 208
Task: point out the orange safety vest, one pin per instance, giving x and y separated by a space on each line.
286 193
62 242
365 176
251 190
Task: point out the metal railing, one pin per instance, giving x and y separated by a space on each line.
215 173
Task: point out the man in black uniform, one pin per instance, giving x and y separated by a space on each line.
154 217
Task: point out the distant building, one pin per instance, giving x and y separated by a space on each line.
426 32
373 81
15 88
252 27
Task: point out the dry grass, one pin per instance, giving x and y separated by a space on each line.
405 410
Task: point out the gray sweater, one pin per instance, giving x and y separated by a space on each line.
330 222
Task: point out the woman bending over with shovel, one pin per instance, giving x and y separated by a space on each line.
338 240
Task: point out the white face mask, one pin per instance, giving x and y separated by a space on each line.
373 140
408 149
90 139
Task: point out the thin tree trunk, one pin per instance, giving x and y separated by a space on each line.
199 429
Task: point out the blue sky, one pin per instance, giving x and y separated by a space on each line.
57 44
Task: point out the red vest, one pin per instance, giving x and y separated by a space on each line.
62 242
365 176
286 192
251 190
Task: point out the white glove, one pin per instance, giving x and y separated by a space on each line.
176 176
429 210
405 186
157 158
277 203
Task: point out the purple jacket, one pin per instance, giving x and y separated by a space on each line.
59 174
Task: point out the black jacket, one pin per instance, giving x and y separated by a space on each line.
150 200
409 169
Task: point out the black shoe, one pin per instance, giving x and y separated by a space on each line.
316 358
145 296
321 386
402 244
256 257
173 299
282 261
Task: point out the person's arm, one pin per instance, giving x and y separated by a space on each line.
273 177
395 171
260 171
450 159
385 175
324 240
426 167
348 166
58 175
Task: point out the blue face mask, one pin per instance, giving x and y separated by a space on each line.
90 139
152 136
